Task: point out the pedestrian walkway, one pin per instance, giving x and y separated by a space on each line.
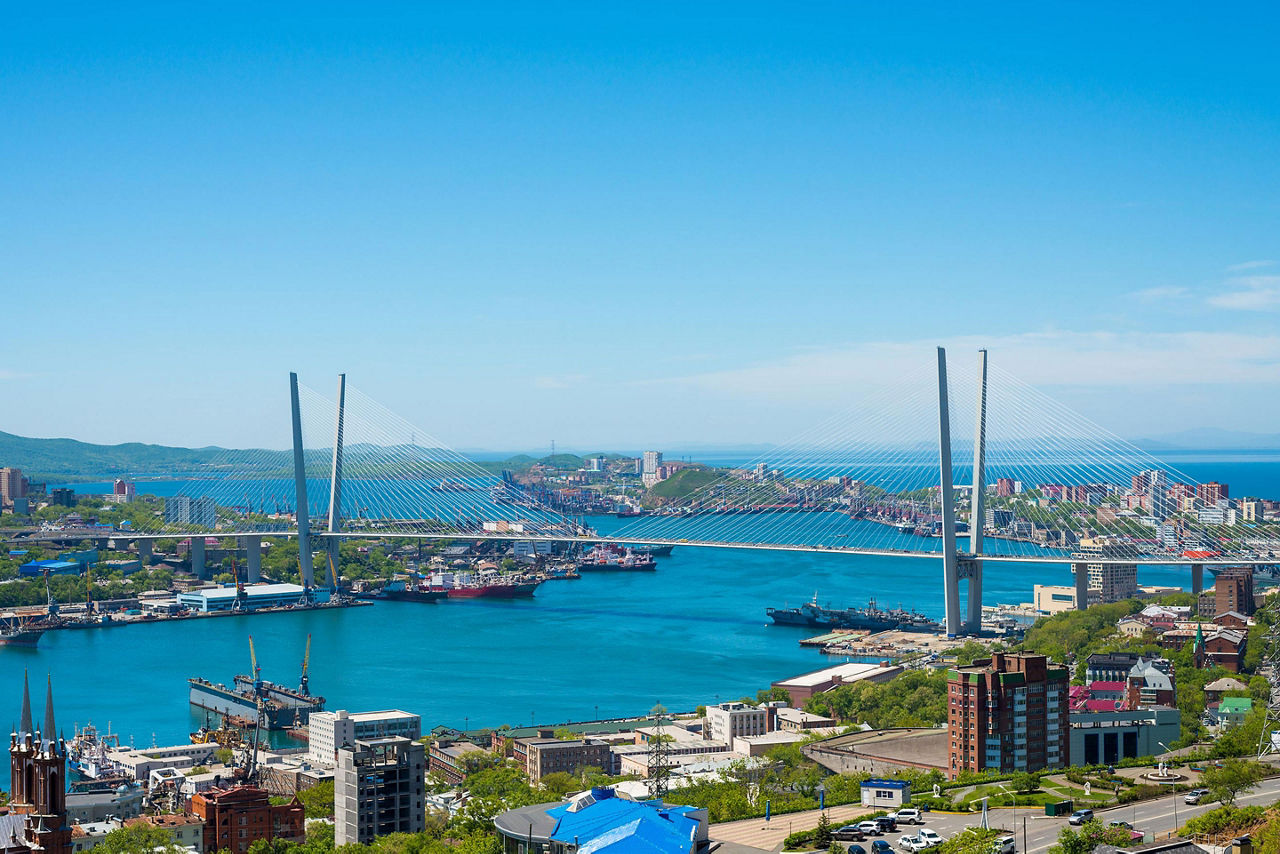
768 835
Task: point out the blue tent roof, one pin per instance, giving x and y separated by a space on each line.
602 823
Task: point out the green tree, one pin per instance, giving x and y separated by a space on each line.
974 840
1090 835
138 839
1025 782
1233 777
822 834
224 755
318 800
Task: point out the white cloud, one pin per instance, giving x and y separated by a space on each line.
1059 358
1250 293
1161 293
1250 265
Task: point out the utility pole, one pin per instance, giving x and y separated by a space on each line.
659 756
1271 669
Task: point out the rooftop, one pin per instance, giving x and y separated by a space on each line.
851 672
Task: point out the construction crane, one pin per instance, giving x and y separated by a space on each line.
305 682
333 575
88 588
48 589
260 705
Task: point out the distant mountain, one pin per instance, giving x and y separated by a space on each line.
1210 438
59 459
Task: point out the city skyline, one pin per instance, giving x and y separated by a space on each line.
632 231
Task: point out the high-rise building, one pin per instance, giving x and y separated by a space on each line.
183 510
125 488
1233 591
236 818
12 485
37 820
379 788
1111 581
1004 487
1008 713
652 459
1211 493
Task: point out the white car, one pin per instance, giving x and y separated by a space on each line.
912 844
907 815
930 838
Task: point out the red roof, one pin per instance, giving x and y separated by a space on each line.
1103 705
1106 686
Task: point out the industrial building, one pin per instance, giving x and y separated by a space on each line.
210 599
379 788
601 822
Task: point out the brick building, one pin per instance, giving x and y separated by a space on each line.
1008 712
236 818
37 817
1233 591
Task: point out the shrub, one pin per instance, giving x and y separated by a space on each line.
797 841
1141 792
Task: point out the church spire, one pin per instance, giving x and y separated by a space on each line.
50 729
24 729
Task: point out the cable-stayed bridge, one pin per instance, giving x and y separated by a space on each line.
899 474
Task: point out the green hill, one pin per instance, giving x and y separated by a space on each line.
67 459
683 483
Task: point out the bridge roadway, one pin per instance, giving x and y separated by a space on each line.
90 534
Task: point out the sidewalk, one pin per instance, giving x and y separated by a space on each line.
768 835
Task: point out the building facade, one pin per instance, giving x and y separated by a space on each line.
236 818
1107 737
37 818
328 731
379 788
1008 712
1233 591
728 721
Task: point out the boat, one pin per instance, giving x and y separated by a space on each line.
608 557
487 583
414 589
23 635
870 618
906 527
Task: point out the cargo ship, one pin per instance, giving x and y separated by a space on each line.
281 706
414 589
608 557
488 583
870 618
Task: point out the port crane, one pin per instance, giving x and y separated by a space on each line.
260 706
241 597
305 682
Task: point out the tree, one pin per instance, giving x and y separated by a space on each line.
1090 835
1235 776
138 838
1025 782
822 834
974 840
317 801
224 755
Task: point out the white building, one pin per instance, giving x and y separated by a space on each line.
328 731
728 721
182 510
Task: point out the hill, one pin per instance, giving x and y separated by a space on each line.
68 459
683 483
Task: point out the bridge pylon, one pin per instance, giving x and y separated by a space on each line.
954 566
300 488
335 483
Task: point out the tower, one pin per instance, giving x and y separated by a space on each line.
37 778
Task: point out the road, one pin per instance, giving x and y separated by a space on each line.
1158 817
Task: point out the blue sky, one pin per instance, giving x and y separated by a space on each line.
632 226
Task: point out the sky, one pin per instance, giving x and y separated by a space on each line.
632 225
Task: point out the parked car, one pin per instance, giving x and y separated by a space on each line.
887 824
912 844
907 815
1079 817
1194 796
1120 823
881 846
855 848
870 828
849 832
1004 845
930 837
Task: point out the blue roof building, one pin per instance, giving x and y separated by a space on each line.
600 822
55 567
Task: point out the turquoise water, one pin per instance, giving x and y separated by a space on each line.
693 632
608 644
